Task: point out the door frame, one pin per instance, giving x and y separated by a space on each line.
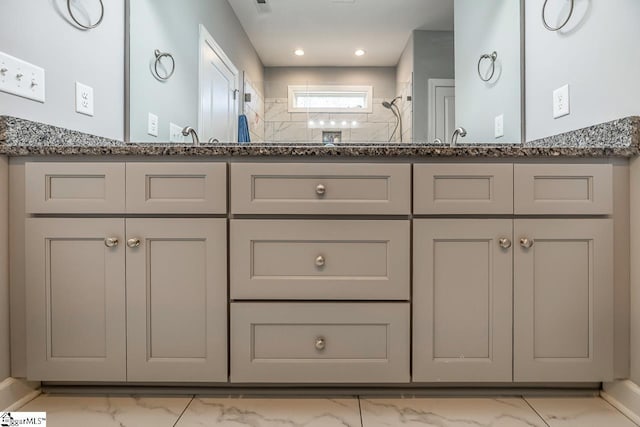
206 38
433 84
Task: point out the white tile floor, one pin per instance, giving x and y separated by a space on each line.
189 411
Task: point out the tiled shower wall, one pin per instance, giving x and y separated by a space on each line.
405 91
283 126
254 110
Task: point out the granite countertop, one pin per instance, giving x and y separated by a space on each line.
618 138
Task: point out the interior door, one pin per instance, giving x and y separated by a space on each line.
219 92
442 109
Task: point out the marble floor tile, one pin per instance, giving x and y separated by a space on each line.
579 412
271 412
77 411
448 412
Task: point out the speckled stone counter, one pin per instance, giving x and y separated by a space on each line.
619 138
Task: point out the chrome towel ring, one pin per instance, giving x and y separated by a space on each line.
159 55
86 27
565 22
492 57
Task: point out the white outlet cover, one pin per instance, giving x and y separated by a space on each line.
21 78
153 125
561 102
175 133
499 126
84 99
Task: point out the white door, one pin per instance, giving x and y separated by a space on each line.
219 92
442 109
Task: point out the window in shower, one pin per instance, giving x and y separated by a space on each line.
330 99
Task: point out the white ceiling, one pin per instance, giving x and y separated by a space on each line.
331 30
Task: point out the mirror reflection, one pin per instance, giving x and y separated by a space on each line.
332 71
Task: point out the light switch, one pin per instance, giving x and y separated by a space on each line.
153 125
21 78
175 133
561 102
84 99
499 126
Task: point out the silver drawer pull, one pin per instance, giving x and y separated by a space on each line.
321 343
321 190
320 261
133 243
505 243
111 242
526 243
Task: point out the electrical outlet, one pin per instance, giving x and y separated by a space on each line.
21 78
175 133
153 125
84 99
561 102
499 126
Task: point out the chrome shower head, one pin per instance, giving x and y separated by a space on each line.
388 105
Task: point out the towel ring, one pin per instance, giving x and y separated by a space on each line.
493 58
159 55
566 21
86 27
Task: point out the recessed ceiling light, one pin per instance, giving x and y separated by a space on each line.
333 123
360 52
344 123
354 123
299 52
321 122
311 123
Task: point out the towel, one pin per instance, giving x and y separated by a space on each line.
243 130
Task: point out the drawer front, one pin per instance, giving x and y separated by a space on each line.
75 188
463 189
320 260
177 188
319 343
320 188
568 189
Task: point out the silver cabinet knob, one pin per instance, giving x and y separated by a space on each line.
111 242
505 243
320 261
526 243
321 190
321 343
133 243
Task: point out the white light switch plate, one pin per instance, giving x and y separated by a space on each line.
153 125
175 133
84 99
561 102
21 78
499 126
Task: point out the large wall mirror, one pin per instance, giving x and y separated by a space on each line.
339 71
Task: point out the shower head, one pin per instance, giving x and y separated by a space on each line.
388 105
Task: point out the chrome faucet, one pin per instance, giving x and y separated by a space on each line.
194 135
460 132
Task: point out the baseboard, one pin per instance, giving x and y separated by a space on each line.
15 393
625 397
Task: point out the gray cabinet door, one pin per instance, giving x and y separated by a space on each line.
177 300
462 300
76 299
563 300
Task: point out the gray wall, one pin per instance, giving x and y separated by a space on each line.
404 69
597 56
68 55
169 26
484 27
276 79
433 59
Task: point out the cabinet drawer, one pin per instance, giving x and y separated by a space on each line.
563 189
177 188
321 260
87 187
319 343
463 189
320 188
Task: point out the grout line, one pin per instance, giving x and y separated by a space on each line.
360 411
534 410
184 410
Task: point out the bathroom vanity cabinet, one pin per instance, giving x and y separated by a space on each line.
340 273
